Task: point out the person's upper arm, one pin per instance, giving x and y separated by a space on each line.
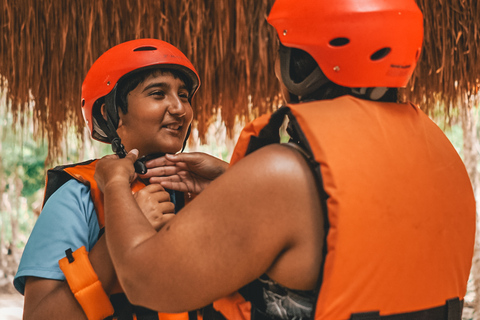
68 220
232 233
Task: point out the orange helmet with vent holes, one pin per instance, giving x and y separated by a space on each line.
122 59
356 43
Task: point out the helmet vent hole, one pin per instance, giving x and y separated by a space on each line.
83 103
145 48
339 42
380 54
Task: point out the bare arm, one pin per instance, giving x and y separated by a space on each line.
259 217
52 299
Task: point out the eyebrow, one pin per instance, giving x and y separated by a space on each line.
162 85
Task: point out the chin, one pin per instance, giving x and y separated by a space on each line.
163 144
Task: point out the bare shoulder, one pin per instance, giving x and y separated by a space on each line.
267 205
261 216
293 198
276 161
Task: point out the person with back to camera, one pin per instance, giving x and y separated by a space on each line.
136 95
367 213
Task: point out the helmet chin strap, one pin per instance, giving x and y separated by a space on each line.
310 84
109 127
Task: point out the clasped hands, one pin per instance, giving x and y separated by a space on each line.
185 172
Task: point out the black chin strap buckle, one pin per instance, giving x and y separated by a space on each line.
118 148
120 151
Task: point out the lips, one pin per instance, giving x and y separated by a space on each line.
173 127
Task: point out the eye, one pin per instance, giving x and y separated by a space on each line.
183 94
159 94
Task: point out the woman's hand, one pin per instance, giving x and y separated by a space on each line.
155 204
113 170
186 172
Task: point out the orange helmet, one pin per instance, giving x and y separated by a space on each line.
103 76
356 43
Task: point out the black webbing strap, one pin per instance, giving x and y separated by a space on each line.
451 310
270 133
192 315
454 309
124 310
209 313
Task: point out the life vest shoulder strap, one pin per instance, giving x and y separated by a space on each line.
58 176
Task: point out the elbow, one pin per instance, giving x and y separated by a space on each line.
131 283
136 286
141 291
136 299
133 291
140 295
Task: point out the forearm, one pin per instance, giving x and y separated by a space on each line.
52 299
126 228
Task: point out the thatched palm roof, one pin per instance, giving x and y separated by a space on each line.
46 48
449 70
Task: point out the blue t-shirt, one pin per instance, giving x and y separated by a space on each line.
68 220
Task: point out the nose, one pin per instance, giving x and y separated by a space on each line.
177 107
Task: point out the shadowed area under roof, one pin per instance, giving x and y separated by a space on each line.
46 48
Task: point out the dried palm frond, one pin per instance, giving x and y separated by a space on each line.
448 72
46 48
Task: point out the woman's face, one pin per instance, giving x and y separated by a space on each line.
158 116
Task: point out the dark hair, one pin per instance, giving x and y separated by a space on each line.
302 65
132 80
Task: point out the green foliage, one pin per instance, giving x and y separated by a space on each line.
455 135
24 156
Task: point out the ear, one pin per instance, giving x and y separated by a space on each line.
103 110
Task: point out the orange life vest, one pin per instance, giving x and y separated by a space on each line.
84 173
399 209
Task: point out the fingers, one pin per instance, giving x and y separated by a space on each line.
187 157
159 180
159 162
174 185
161 216
160 221
167 208
160 171
154 192
165 219
132 155
110 169
152 188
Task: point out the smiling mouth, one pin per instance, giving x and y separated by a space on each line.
173 127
